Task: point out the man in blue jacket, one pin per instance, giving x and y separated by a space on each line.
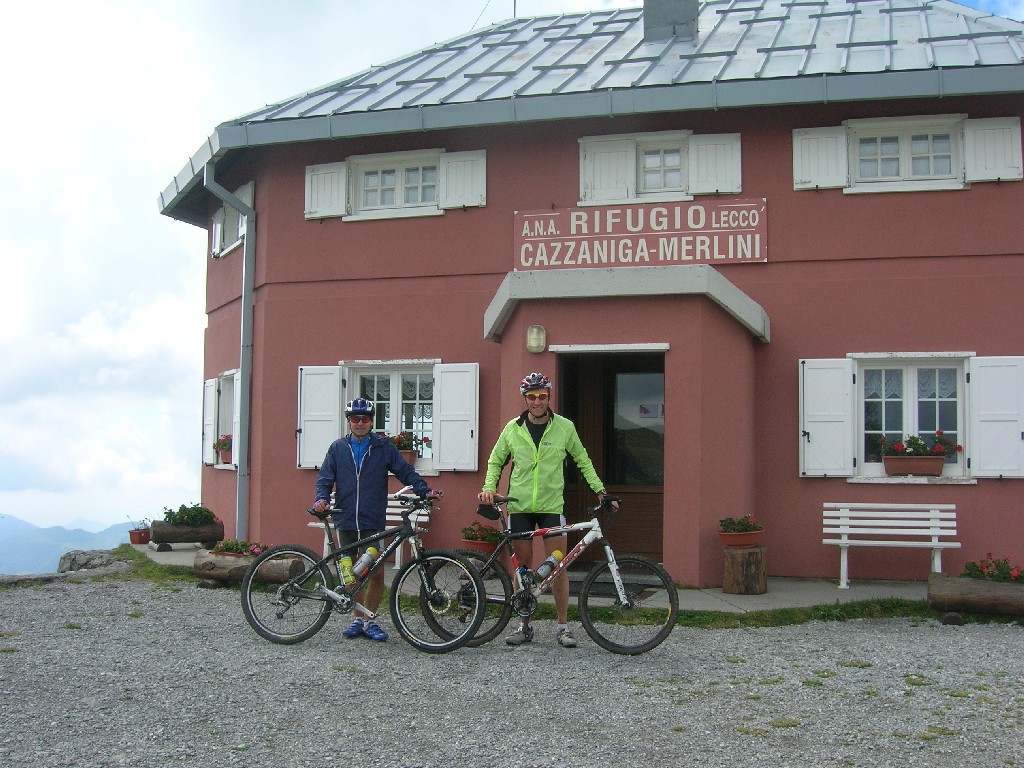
356 467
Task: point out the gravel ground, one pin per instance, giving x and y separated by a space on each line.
125 673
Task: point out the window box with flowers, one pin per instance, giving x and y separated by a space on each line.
222 446
918 454
993 585
408 444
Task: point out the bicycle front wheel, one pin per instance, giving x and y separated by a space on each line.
437 601
282 597
644 620
498 591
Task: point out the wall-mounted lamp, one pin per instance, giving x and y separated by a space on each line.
536 339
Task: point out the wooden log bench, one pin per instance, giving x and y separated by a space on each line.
888 525
393 517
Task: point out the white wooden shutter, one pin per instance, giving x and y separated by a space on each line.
463 177
713 162
820 159
992 149
236 414
209 419
456 416
319 413
326 191
826 418
245 194
995 442
607 170
217 232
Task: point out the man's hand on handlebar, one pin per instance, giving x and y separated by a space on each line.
321 505
607 498
435 493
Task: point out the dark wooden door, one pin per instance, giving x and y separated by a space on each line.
618 404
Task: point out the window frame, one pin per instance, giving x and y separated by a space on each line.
904 128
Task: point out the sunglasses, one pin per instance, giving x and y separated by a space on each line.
541 396
360 419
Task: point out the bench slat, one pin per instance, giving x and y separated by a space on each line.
920 544
870 506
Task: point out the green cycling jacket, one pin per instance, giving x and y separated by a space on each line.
537 477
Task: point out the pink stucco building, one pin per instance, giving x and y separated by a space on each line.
746 241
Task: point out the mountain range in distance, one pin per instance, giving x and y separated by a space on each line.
27 548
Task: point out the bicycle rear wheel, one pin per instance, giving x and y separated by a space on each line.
281 596
498 591
647 618
437 601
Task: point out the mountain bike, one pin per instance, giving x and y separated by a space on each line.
627 604
436 600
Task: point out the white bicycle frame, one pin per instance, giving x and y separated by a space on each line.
594 533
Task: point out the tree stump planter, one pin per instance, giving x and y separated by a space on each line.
164 533
230 568
745 571
966 595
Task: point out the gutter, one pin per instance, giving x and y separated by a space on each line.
245 353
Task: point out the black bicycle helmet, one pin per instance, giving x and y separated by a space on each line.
534 381
359 406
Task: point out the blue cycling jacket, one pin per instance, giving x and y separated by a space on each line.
361 497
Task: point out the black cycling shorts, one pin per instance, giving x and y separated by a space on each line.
521 522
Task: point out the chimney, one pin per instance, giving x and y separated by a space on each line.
664 19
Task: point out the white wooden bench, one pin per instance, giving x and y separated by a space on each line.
419 518
888 525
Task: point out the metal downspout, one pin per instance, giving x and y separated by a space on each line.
245 353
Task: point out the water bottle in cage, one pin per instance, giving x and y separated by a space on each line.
544 569
345 566
365 560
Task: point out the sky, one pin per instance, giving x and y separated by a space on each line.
101 302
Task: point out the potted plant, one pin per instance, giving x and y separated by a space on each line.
139 532
408 444
188 523
222 445
993 585
917 455
481 537
740 531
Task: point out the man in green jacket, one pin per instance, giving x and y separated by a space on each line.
537 441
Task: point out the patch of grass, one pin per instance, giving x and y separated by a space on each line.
784 722
8 649
918 680
934 731
812 683
856 664
168 576
746 730
343 668
136 615
72 625
10 633
825 673
678 729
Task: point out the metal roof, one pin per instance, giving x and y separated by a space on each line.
746 53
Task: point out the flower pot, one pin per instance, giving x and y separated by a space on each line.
225 457
487 547
139 536
409 456
930 466
741 539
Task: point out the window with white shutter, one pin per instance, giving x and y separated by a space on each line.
463 179
908 154
326 191
437 402
848 404
221 412
659 166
